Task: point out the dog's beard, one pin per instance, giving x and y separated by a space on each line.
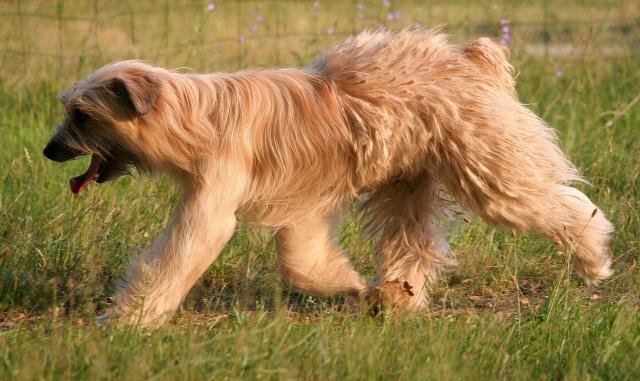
100 170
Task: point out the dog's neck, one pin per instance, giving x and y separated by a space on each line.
246 104
253 120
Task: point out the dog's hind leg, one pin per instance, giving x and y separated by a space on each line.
558 212
411 247
311 261
505 165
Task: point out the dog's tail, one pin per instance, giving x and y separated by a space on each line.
493 58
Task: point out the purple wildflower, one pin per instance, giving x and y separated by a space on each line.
390 16
559 73
259 18
506 31
240 39
253 29
360 7
386 3
211 6
316 5
331 30
398 15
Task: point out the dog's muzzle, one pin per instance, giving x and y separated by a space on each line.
101 169
58 151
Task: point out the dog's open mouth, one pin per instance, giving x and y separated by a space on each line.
78 183
100 170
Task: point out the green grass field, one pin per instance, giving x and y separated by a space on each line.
512 309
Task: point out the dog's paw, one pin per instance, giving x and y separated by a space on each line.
389 296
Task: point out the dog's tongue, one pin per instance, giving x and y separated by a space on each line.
78 183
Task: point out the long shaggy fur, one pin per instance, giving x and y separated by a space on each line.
395 119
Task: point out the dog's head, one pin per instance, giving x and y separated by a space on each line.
104 117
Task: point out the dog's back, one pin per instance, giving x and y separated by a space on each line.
369 61
395 84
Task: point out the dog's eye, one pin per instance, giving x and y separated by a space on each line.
79 117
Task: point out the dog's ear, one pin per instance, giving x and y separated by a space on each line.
138 90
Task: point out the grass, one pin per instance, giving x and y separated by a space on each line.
566 343
512 309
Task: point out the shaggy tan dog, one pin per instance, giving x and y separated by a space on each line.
394 119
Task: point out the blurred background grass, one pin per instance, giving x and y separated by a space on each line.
70 38
512 309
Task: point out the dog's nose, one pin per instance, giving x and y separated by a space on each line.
59 152
49 152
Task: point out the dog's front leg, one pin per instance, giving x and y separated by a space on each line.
198 230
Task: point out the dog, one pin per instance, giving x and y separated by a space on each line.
390 121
